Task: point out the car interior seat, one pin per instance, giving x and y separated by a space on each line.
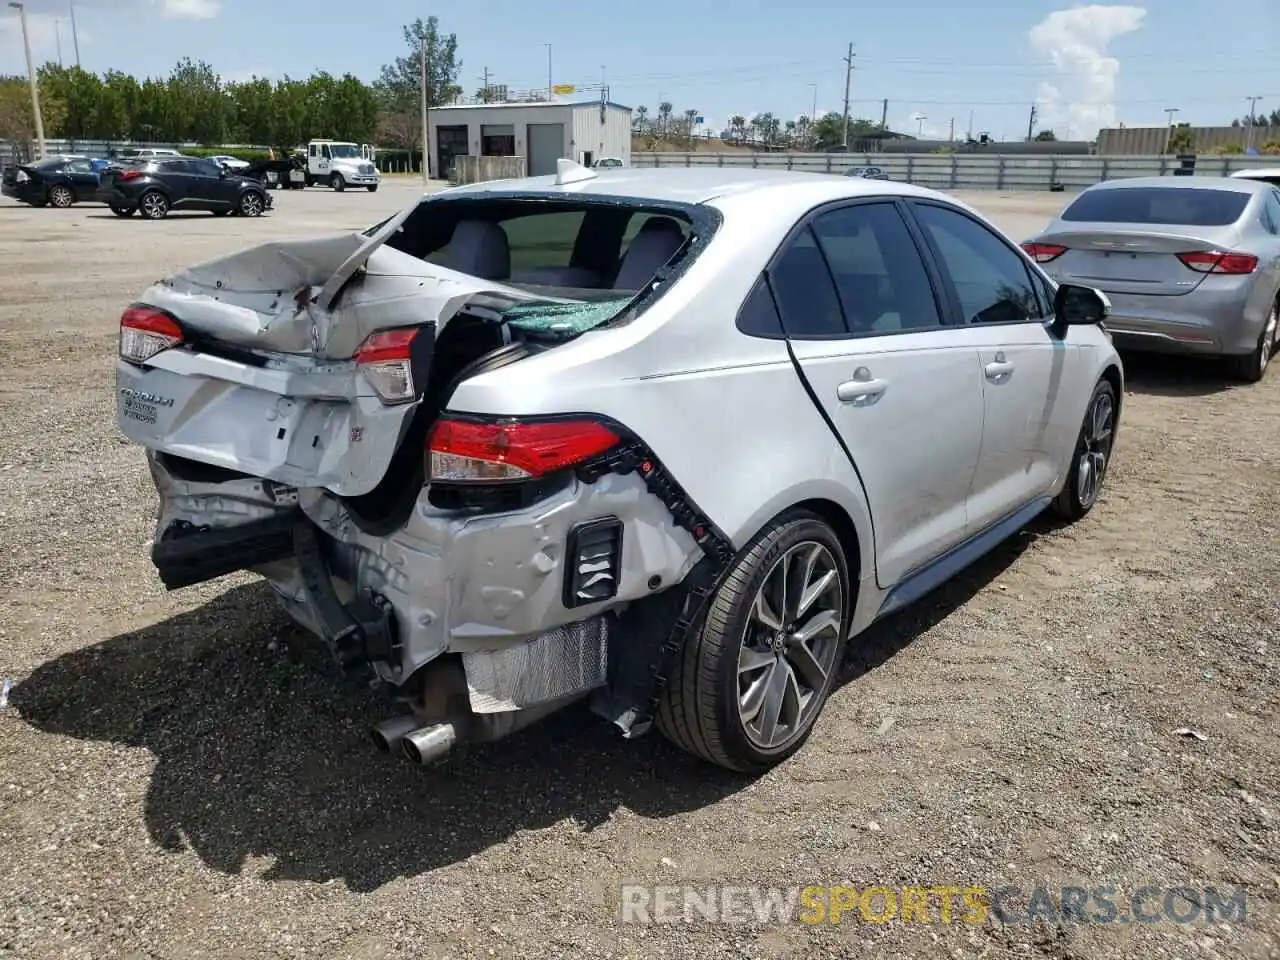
479 248
653 245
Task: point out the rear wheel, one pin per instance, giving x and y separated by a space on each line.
754 676
154 205
123 211
61 196
1091 457
338 183
1252 367
252 203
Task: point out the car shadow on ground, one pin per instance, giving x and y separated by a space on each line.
1170 375
260 753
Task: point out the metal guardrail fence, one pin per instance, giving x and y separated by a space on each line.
959 171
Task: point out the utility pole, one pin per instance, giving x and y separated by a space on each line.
969 133
31 76
1168 134
57 37
1031 124
484 91
951 137
848 77
1253 106
75 38
422 81
549 83
884 114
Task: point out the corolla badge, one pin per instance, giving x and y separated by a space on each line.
132 396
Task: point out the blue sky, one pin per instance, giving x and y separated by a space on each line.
1087 65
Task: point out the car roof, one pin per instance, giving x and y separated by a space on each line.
691 184
1257 172
1236 184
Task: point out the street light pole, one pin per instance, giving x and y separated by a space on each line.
1168 134
549 83
75 37
31 76
1253 106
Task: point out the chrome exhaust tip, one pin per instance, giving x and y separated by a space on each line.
387 735
426 745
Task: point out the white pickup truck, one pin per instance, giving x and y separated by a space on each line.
338 164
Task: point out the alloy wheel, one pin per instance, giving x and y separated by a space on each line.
251 205
61 197
1270 337
1098 430
789 645
154 205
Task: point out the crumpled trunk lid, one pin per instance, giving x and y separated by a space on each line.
266 384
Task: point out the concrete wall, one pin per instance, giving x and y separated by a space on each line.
1150 140
966 171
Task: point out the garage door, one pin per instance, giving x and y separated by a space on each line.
546 146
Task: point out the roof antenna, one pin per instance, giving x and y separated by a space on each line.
569 172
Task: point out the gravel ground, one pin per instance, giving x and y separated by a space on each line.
180 778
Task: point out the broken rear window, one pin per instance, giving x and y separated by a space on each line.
592 251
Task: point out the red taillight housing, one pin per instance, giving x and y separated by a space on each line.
1044 252
146 331
1219 261
385 359
128 175
495 451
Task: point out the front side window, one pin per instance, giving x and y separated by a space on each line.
990 280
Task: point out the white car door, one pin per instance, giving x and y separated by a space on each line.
901 391
1027 370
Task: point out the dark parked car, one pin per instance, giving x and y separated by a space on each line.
54 181
868 173
156 186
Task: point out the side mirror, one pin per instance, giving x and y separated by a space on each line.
1074 304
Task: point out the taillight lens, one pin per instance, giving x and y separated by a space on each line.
21 177
1044 252
146 331
1218 261
470 451
129 175
384 359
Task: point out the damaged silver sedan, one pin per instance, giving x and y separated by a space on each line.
532 442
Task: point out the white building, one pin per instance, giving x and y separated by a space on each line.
542 133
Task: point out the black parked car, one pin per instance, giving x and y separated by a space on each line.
54 181
869 173
157 185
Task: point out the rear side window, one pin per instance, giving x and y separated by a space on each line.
805 292
1174 205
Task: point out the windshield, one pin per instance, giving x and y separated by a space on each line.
344 151
1170 206
587 252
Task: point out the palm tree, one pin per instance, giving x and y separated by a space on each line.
738 124
803 122
690 119
664 117
790 130
641 120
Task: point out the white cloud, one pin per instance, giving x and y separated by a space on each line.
930 129
190 9
1076 41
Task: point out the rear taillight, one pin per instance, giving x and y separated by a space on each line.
1044 252
129 175
21 177
146 331
384 359
1217 261
493 451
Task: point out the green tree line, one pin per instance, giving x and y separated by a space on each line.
194 104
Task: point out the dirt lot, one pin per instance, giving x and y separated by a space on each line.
178 778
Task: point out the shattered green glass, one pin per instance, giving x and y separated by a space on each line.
563 319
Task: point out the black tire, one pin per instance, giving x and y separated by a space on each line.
153 205
1079 494
699 711
61 196
338 183
124 211
372 188
1252 367
252 204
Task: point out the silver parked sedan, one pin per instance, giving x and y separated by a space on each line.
1190 264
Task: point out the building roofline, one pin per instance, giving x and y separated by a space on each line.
537 103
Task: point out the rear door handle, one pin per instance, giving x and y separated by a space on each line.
861 393
999 368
